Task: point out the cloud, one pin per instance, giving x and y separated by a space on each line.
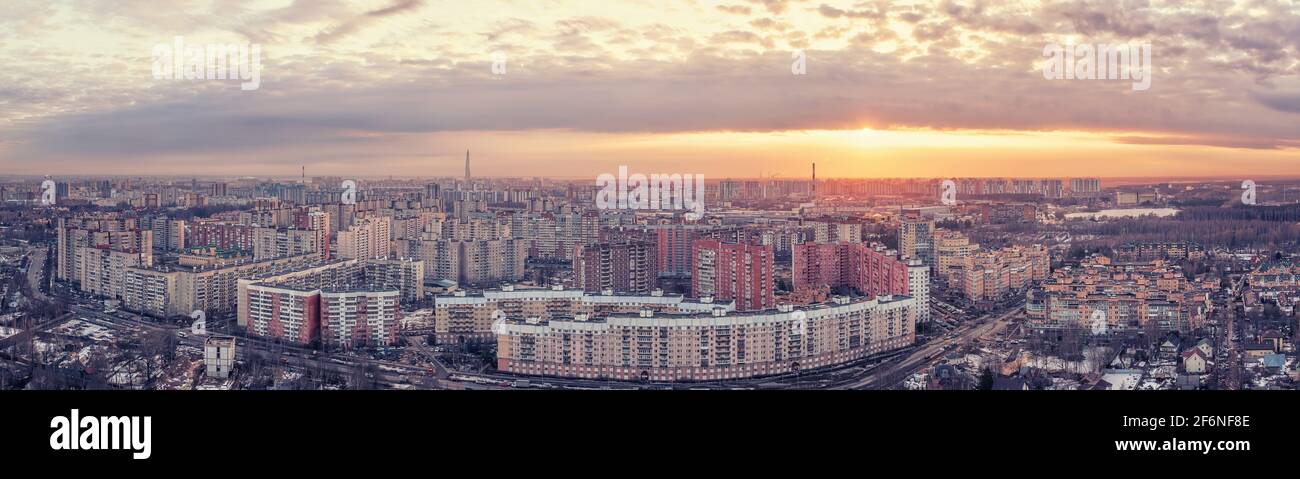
734 9
336 73
1289 103
356 23
775 6
877 12
1247 143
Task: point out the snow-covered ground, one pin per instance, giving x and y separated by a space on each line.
422 318
916 381
82 329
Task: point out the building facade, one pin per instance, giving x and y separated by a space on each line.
623 267
740 272
714 345
359 317
462 318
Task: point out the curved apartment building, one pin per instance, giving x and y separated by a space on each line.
714 345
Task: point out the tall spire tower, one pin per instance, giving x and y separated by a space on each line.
467 166
814 180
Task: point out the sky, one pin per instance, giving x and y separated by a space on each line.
578 88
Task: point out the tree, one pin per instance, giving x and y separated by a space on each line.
986 380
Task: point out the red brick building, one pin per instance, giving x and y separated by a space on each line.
866 270
628 266
740 272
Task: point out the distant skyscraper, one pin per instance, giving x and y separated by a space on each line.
814 180
467 166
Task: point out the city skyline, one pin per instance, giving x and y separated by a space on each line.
924 89
901 200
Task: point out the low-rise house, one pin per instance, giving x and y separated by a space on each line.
1194 361
1171 346
1272 338
1205 347
1258 350
1273 361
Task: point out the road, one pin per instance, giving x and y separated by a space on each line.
35 269
891 373
419 344
1235 363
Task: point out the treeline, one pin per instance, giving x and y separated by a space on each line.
1285 213
1209 233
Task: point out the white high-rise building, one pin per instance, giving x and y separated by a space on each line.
918 286
359 317
367 238
219 357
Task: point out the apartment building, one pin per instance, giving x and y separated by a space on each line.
102 271
624 266
1126 297
864 269
282 311
1168 250
101 232
441 258
741 272
951 248
169 235
367 238
222 236
553 236
467 262
1275 275
173 290
219 357
359 317
986 276
916 238
461 317
271 243
835 231
704 346
405 274
490 261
